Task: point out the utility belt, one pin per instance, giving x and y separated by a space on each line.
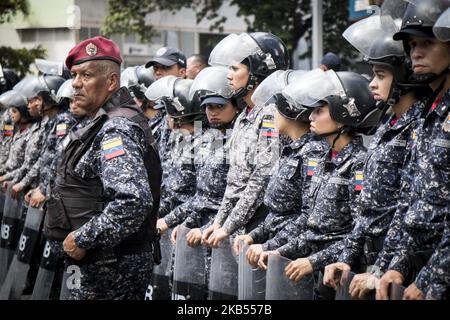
111 255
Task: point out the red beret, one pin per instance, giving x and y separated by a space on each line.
97 48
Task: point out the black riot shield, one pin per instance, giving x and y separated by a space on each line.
9 232
251 281
71 279
189 278
159 288
17 274
396 291
223 281
280 287
2 203
46 274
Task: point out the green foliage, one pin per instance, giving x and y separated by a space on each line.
20 59
9 8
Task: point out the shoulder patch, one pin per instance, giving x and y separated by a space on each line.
113 148
268 128
359 178
312 167
8 130
61 129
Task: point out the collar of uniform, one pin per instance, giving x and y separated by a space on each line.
251 116
118 98
444 105
299 143
349 150
411 114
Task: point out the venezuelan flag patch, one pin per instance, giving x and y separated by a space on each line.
268 129
359 178
61 129
8 130
312 166
113 148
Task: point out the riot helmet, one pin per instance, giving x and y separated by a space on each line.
269 92
45 86
441 28
137 79
56 68
8 79
372 37
262 52
211 87
14 99
173 93
347 94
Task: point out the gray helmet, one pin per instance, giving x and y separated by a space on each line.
14 99
137 79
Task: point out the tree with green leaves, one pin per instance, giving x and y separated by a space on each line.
17 59
289 19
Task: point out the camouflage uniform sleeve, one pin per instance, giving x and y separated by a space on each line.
178 215
434 278
290 231
326 256
295 248
354 244
259 234
125 182
252 195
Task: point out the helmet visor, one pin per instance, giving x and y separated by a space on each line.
11 99
274 84
161 88
65 91
442 26
55 68
128 77
372 37
233 49
211 81
313 87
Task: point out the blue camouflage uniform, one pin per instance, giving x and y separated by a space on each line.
179 184
333 192
64 121
116 158
28 173
254 150
384 165
437 270
287 192
424 221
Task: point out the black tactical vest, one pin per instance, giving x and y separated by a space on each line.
76 200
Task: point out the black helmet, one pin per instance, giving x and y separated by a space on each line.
14 99
45 86
263 52
173 92
211 82
419 19
347 94
8 79
372 37
137 79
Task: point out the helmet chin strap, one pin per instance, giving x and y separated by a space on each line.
242 92
338 133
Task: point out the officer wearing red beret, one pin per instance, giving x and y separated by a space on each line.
106 196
